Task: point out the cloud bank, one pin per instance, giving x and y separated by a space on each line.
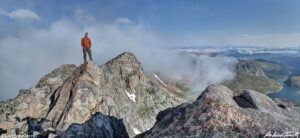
27 56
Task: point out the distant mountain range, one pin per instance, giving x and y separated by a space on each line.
240 50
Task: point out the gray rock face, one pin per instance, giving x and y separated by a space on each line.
74 101
220 112
250 67
32 103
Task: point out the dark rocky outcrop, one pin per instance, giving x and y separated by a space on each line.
2 131
220 112
99 126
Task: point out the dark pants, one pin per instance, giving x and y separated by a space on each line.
88 50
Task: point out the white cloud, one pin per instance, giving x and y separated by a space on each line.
244 35
29 56
268 40
21 14
123 20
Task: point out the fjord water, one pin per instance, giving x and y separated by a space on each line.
287 92
287 59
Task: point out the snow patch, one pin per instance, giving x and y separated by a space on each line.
136 131
159 80
131 96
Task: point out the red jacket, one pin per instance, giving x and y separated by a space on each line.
86 42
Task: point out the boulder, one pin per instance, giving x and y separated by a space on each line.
221 112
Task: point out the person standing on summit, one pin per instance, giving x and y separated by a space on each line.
86 47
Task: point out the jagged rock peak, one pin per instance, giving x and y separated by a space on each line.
63 71
88 97
120 60
125 57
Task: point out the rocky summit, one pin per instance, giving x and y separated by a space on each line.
220 112
116 99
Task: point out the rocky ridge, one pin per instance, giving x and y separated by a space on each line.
117 98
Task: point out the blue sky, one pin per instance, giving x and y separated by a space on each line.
177 18
39 35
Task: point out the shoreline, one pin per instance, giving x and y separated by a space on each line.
277 91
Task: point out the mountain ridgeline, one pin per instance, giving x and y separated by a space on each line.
117 99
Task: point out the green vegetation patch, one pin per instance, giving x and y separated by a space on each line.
274 70
151 90
146 111
256 83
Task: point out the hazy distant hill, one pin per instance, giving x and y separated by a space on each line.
259 75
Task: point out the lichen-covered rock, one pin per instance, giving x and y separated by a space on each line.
220 112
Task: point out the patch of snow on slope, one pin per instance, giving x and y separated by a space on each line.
159 80
136 131
131 96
